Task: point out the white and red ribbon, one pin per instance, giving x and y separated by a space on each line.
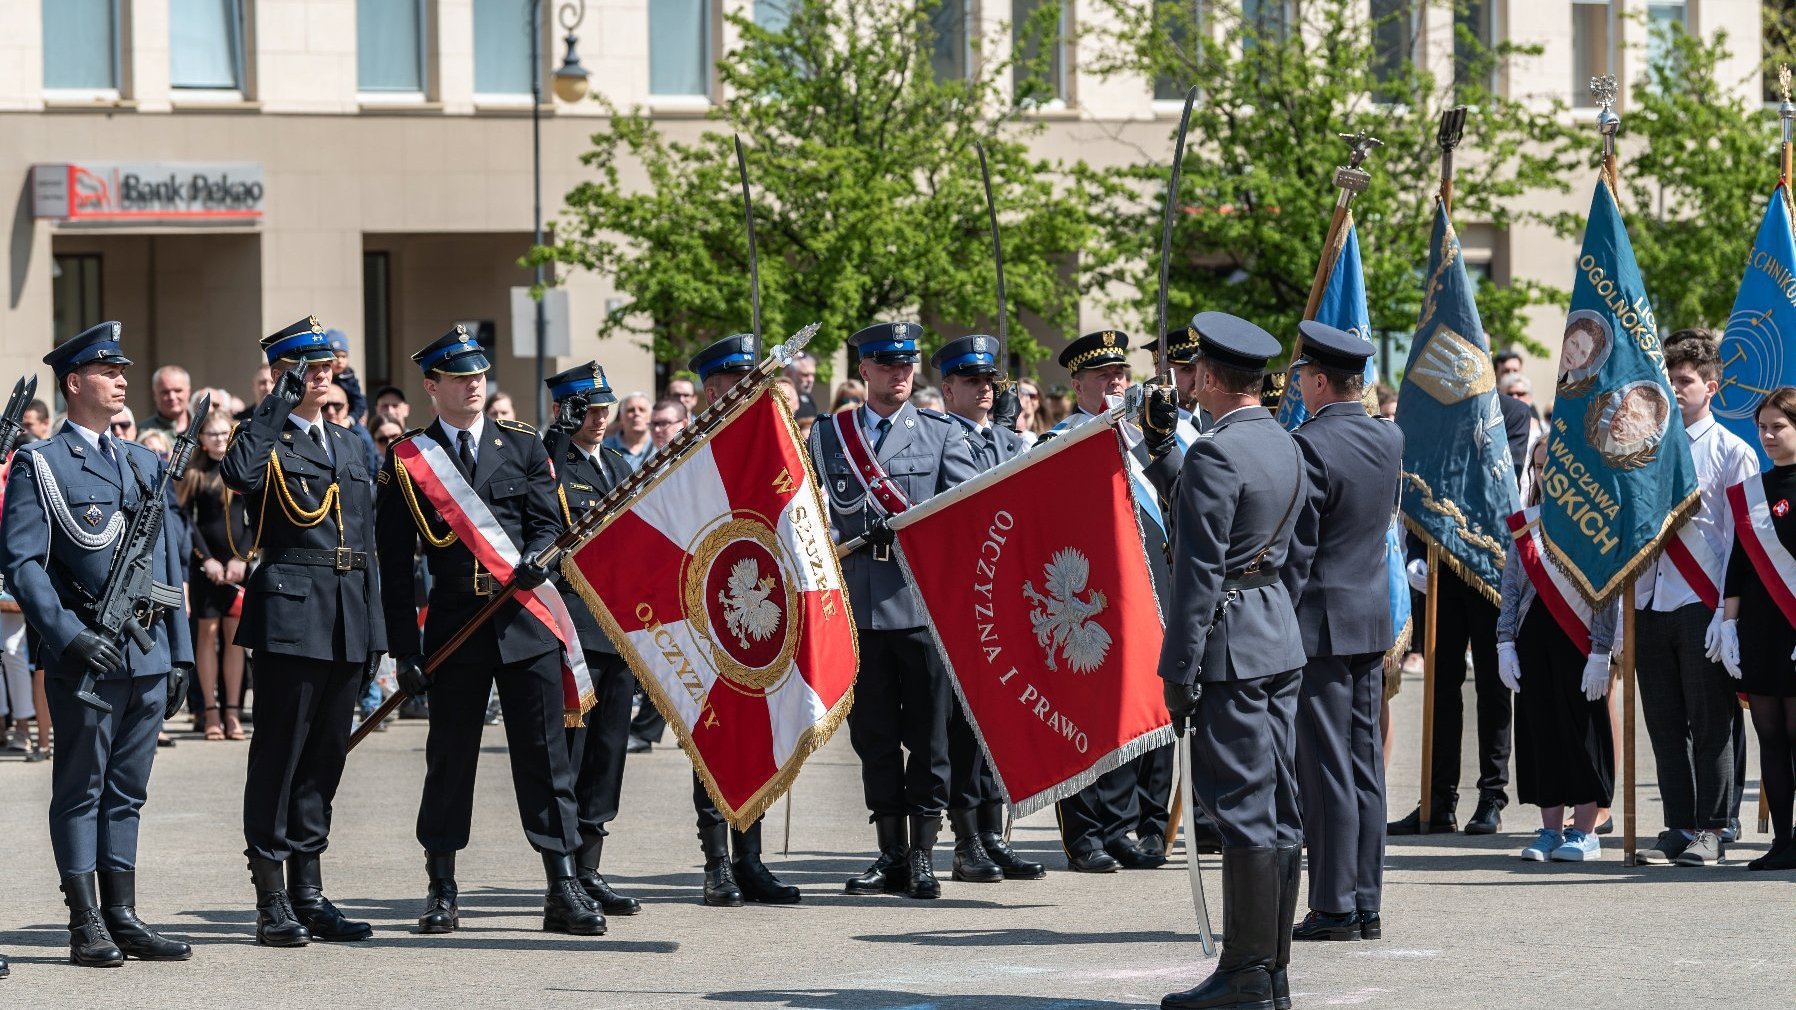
434 473
1758 538
1690 555
865 464
1552 587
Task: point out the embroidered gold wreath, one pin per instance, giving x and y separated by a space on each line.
752 681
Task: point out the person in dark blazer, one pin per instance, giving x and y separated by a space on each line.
1233 654
311 615
1337 571
68 501
969 368
899 723
505 465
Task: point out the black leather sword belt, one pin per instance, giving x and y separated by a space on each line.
1248 580
342 558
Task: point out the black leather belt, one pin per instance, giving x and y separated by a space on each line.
1248 580
478 584
342 559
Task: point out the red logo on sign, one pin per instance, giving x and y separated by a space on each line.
1782 508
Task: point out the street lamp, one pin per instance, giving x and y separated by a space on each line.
570 86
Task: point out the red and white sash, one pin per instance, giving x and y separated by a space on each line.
1758 538
1563 601
434 472
862 461
1690 554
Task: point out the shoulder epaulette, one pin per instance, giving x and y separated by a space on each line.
516 426
932 412
409 434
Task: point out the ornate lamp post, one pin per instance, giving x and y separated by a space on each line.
570 81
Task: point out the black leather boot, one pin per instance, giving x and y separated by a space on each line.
1290 880
276 924
721 889
442 914
305 889
1250 915
991 835
4 969
593 882
753 877
923 830
118 907
90 945
566 908
890 873
972 864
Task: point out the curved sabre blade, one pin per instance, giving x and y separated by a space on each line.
1205 937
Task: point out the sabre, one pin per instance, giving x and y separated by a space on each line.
1452 129
754 263
991 213
1162 369
1205 938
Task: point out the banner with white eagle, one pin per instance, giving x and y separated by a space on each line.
719 584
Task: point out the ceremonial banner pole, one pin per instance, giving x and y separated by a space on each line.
1786 112
1429 610
1351 181
1162 365
1452 129
991 213
754 264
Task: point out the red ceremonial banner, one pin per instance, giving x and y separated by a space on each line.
1041 601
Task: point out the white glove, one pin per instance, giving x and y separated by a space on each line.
1730 648
1417 574
1509 669
1711 637
1596 676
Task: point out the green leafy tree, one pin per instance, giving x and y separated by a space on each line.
1277 83
867 194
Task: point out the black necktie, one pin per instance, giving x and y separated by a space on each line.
885 428
110 455
317 434
464 453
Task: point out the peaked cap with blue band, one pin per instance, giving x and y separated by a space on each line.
587 379
1181 345
96 343
453 353
1333 348
888 343
975 354
304 342
1096 350
734 353
1234 342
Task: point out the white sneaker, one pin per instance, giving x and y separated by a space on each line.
1546 840
1578 848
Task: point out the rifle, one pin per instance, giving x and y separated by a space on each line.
132 600
12 428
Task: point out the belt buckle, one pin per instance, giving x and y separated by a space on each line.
345 559
483 584
882 552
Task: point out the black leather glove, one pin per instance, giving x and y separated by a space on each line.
1006 406
92 650
1181 703
879 532
570 413
289 389
412 678
1160 420
528 575
177 690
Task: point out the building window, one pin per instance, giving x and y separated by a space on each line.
680 48
1661 20
1393 43
950 44
377 319
773 15
1262 19
205 44
1590 48
74 294
1474 36
1038 51
390 45
1183 21
81 45
502 48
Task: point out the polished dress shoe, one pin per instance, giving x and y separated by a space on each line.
972 864
638 745
1094 861
1327 926
991 837
922 882
721 889
276 923
1781 856
442 914
4 969
1132 857
90 945
1438 824
890 873
1371 925
757 882
305 891
118 907
593 882
566 908
1152 845
1487 819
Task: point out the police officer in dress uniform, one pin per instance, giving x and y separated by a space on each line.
728 882
1095 822
68 500
1232 657
310 614
586 471
968 367
507 467
901 694
1336 568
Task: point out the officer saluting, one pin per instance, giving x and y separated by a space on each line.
69 499
1337 567
730 881
503 465
968 367
1232 655
310 615
901 694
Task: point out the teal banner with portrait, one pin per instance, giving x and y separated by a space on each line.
1756 350
1618 477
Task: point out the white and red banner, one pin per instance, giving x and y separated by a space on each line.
720 587
1553 589
434 473
1040 598
1758 538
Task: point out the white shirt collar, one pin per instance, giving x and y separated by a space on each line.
1699 429
88 435
474 431
870 420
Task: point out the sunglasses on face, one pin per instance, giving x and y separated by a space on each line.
336 406
123 425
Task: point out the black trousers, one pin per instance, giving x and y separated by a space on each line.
710 817
901 702
1690 712
596 750
100 777
1243 760
1340 775
1463 617
970 781
296 756
535 733
648 723
1131 797
1564 754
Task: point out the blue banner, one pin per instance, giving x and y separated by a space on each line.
1755 355
1458 476
1619 477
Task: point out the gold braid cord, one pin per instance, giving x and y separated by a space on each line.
1462 526
411 499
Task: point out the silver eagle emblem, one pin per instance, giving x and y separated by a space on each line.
1063 622
746 608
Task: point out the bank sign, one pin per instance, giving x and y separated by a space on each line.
148 192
